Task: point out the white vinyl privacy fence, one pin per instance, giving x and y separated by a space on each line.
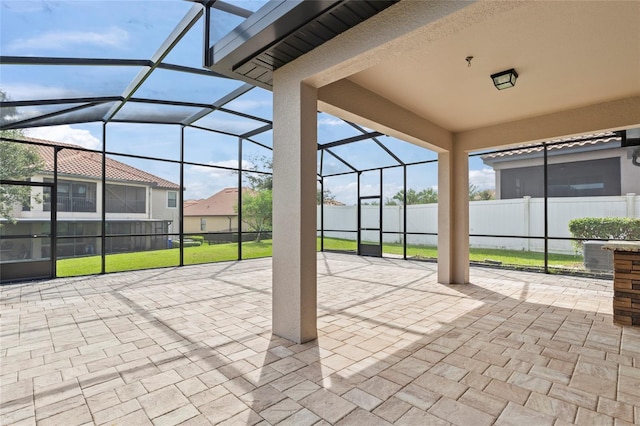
516 224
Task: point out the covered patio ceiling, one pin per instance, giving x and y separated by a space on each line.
578 66
432 62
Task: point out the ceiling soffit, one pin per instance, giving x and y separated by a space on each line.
568 55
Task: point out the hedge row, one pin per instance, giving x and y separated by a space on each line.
605 228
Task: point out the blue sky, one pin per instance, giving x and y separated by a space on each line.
135 29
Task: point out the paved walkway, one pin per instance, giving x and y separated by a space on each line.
193 346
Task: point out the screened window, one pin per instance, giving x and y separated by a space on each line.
72 196
125 199
172 199
203 224
577 179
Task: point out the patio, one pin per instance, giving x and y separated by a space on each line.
193 345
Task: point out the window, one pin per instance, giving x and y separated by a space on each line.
573 179
72 196
203 224
172 199
126 199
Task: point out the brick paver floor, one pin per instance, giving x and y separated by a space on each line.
193 346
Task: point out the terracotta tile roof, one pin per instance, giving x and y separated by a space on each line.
87 163
221 203
188 203
598 139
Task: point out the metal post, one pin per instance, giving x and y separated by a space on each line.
239 198
546 212
380 221
54 214
206 58
321 201
359 224
404 214
103 238
181 200
321 212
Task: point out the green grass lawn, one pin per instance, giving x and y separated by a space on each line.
225 252
505 257
162 258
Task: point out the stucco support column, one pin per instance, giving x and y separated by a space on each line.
294 210
453 217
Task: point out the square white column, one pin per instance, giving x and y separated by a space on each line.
294 210
453 217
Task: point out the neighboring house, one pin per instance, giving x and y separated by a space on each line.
217 213
136 202
188 203
581 167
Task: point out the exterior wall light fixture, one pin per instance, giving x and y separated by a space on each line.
505 79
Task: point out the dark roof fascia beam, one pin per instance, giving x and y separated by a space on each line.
218 104
187 22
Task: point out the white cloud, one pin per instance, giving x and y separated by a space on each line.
331 122
36 91
203 182
245 105
483 179
233 126
24 6
347 194
62 40
66 134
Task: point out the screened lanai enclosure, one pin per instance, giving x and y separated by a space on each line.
120 150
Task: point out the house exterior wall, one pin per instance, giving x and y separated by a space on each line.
629 174
160 208
37 209
85 225
155 203
214 224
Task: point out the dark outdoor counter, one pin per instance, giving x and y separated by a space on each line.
626 281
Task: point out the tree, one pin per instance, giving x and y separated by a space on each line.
426 196
257 211
324 196
257 204
476 194
18 162
260 181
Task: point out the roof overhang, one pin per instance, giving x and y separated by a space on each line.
282 31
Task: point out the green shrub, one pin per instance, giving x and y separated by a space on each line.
605 228
199 238
187 243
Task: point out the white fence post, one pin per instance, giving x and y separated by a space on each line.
527 219
522 216
631 205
